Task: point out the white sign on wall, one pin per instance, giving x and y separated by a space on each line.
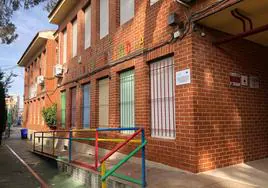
254 82
244 80
183 77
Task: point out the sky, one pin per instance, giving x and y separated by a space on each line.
28 23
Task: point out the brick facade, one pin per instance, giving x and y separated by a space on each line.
42 63
216 125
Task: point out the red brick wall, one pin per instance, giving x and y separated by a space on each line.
216 125
147 29
231 122
33 119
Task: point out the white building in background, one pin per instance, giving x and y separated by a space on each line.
13 108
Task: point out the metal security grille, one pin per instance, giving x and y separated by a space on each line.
162 98
63 109
73 106
104 102
86 106
127 100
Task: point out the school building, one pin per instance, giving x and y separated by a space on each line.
193 74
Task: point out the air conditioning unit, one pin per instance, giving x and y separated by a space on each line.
58 70
40 80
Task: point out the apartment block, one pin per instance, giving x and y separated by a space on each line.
40 86
192 75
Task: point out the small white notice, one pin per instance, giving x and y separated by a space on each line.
183 77
254 82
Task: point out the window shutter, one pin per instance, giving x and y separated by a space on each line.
63 109
104 102
104 18
127 100
73 111
86 106
74 38
126 10
65 46
87 27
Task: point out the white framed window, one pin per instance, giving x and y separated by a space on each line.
64 46
127 9
162 98
88 27
153 2
104 18
74 38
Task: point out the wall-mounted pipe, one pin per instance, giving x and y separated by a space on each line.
245 18
242 35
233 12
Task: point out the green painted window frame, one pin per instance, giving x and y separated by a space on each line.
127 100
63 109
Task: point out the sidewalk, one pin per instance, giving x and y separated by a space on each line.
13 174
250 175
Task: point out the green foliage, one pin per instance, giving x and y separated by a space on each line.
50 115
8 7
3 111
5 81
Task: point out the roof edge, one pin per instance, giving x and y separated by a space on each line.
42 34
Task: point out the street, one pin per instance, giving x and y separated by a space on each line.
14 174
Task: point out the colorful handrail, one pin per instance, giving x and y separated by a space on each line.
119 146
111 171
101 163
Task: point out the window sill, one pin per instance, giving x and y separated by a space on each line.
126 24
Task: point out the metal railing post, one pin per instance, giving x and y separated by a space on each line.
103 171
34 143
70 145
143 160
42 142
96 150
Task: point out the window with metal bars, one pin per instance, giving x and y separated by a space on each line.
127 100
162 98
103 102
63 109
86 106
73 106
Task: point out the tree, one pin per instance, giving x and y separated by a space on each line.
50 115
5 81
8 7
3 111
